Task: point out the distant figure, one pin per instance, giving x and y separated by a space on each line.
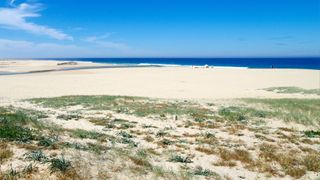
206 66
272 66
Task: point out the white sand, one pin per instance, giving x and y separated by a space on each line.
36 65
167 82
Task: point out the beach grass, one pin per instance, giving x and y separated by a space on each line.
302 111
292 90
138 106
139 141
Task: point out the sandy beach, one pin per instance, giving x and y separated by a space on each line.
164 82
168 123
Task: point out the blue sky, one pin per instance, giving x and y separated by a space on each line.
159 28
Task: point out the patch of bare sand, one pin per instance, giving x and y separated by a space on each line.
166 82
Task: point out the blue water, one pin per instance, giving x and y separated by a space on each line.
296 63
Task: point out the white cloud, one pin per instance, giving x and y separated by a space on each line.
26 49
102 42
96 38
16 17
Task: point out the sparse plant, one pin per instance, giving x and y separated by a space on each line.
48 141
125 134
36 156
199 171
83 134
149 138
312 162
5 154
60 164
180 159
205 150
231 114
292 89
12 174
128 141
141 159
12 132
165 142
96 148
312 134
29 169
161 133
68 117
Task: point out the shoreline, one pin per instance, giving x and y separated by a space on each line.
75 69
111 61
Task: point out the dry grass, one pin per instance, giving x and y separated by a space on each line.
148 138
206 134
264 138
241 155
205 150
140 161
230 157
99 122
221 162
312 162
235 128
292 162
5 153
207 139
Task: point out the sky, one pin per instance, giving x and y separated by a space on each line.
159 28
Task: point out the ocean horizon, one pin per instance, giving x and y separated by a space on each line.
282 63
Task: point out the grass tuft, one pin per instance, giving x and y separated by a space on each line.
5 153
293 90
312 134
36 156
199 171
60 165
83 134
180 159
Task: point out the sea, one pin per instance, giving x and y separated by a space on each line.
286 63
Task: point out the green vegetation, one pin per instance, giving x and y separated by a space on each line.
21 125
68 117
83 134
180 159
241 114
292 90
60 164
48 141
141 159
125 134
121 104
125 138
13 125
184 127
11 174
199 171
303 111
29 169
5 153
36 156
312 134
120 124
292 162
15 133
